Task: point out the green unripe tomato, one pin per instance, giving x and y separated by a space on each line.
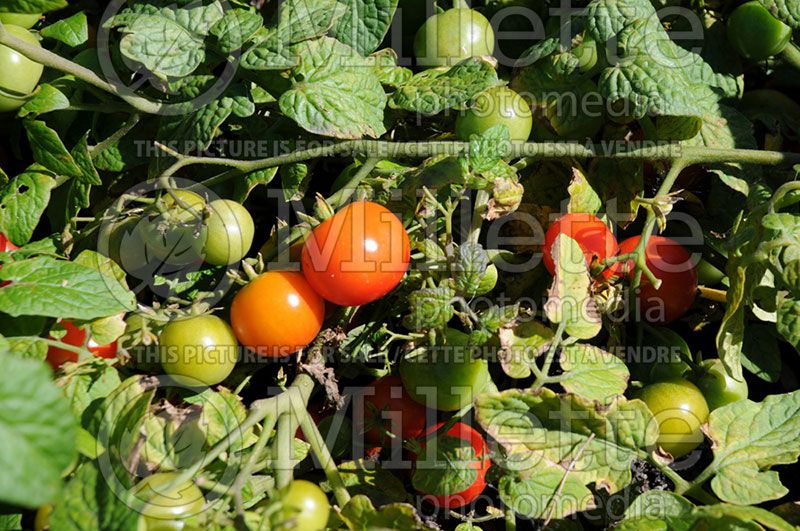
123 242
199 350
230 232
496 106
18 74
445 373
586 52
453 36
755 33
667 352
680 409
305 506
23 20
718 387
177 235
164 509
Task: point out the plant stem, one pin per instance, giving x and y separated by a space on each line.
511 520
481 205
52 60
542 377
344 193
791 55
283 451
315 439
712 294
255 454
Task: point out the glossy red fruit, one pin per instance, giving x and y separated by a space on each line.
593 236
5 247
358 255
389 410
76 337
673 265
479 462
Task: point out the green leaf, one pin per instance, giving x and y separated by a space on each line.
26 347
363 477
90 502
469 268
430 308
335 93
10 522
38 433
163 46
269 54
748 438
95 381
520 344
360 515
365 23
593 373
569 299
532 497
55 288
788 12
49 151
222 412
31 6
46 99
447 465
582 197
658 504
788 324
621 181
293 180
244 186
22 203
536 426
434 90
760 352
235 28
299 20
490 148
72 31
384 64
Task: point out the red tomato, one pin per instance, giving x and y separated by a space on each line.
388 408
358 255
5 247
76 337
277 314
672 264
481 465
592 235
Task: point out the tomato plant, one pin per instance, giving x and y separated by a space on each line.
672 264
198 350
19 75
453 35
497 106
270 214
436 455
356 256
755 33
277 313
76 336
680 410
593 236
305 506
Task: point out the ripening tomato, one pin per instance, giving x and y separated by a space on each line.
18 74
680 409
593 236
672 264
357 255
76 337
305 506
459 440
277 313
165 509
389 410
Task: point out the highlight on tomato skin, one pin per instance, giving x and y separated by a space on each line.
480 464
673 265
76 337
592 235
277 314
358 255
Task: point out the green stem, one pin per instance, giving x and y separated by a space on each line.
511 520
542 376
317 442
94 151
255 454
791 55
480 208
284 470
49 59
344 193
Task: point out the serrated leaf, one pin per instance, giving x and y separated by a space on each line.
569 298
469 268
532 427
300 20
582 197
72 31
535 496
447 465
364 23
336 95
22 203
520 344
222 411
748 438
490 148
48 150
430 308
360 515
384 64
788 323
235 28
46 99
163 46
32 6
269 54
82 388
245 185
38 433
434 90
367 478
55 288
593 373
25 347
